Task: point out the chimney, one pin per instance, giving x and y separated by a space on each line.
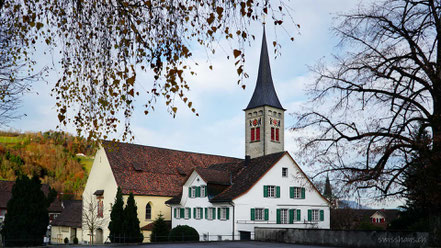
247 160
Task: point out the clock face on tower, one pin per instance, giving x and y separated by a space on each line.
256 122
274 122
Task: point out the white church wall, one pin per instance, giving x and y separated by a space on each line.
100 178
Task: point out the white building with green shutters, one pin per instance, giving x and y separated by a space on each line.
266 189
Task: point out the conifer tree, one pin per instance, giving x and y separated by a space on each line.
117 218
27 218
132 231
160 230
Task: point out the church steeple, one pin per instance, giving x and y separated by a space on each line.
264 115
264 93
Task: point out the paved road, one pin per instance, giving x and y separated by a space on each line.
225 244
242 244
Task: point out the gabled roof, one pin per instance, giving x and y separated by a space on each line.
244 175
147 170
6 194
264 93
248 176
70 216
365 214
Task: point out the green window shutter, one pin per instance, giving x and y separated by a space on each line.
218 213
266 213
182 213
189 192
253 214
309 215
214 213
198 191
265 191
194 213
228 213
278 191
322 215
303 193
298 214
206 213
291 216
175 212
291 192
278 216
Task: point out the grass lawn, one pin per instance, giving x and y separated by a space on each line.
86 162
11 140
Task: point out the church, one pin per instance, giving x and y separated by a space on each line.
226 201
223 198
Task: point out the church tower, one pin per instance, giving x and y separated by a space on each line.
264 115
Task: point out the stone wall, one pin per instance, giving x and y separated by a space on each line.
343 238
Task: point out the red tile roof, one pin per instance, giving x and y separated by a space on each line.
244 174
146 170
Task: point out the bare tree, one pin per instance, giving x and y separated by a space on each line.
93 217
369 107
16 75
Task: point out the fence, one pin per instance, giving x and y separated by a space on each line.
179 238
344 238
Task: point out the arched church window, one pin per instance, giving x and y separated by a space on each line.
148 211
260 112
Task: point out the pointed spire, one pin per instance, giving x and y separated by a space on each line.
328 189
264 93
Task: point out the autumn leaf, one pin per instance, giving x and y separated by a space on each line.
236 53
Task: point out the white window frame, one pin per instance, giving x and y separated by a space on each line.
284 172
203 191
198 213
315 215
284 216
271 191
297 192
259 214
193 192
210 215
187 212
178 213
223 213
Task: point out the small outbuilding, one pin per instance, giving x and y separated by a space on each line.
68 223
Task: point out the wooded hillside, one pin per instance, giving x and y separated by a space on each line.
61 160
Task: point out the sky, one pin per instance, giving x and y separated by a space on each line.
219 128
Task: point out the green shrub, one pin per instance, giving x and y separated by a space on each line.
160 230
66 240
75 240
183 233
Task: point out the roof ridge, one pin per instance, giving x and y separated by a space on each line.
169 149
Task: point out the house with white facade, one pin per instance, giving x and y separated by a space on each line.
227 201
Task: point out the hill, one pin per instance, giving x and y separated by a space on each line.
62 160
